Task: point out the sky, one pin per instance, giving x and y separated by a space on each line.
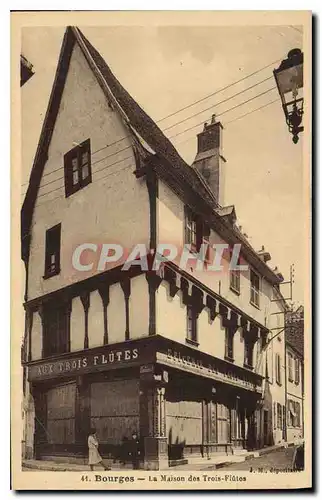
167 68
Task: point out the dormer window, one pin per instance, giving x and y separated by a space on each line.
192 230
196 232
77 166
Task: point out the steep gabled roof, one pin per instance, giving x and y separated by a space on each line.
139 124
133 115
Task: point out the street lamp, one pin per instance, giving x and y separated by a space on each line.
289 81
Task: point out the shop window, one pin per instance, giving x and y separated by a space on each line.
278 369
61 414
229 344
56 331
52 251
115 411
192 325
223 424
254 288
77 168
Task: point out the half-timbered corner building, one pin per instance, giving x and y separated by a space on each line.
182 355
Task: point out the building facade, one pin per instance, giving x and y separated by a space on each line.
295 374
183 353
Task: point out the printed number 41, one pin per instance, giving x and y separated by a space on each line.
84 478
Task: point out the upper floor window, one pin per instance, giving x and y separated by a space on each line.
248 355
297 371
254 288
278 369
229 344
52 251
192 325
56 318
234 276
290 367
193 230
197 233
77 167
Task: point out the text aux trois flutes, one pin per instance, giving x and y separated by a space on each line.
80 364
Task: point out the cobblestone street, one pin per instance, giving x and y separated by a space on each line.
279 460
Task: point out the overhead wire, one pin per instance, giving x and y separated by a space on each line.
183 108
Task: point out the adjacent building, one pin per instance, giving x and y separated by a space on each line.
295 374
183 354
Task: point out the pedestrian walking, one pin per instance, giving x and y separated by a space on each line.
94 458
134 450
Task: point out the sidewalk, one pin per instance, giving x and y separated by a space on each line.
198 464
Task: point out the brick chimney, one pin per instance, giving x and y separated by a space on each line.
209 160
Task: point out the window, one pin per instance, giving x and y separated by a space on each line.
278 369
235 276
298 414
229 344
297 371
274 416
290 367
248 357
52 251
192 333
254 288
56 319
279 416
193 230
77 167
294 414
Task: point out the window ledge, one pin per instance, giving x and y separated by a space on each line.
192 342
233 289
228 358
254 304
279 383
50 275
249 367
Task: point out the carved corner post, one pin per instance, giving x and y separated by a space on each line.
86 302
153 283
205 427
68 312
40 430
28 334
82 414
126 287
43 327
153 417
104 292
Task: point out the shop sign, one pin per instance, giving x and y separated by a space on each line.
193 364
83 364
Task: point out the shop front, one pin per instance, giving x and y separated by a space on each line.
181 402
